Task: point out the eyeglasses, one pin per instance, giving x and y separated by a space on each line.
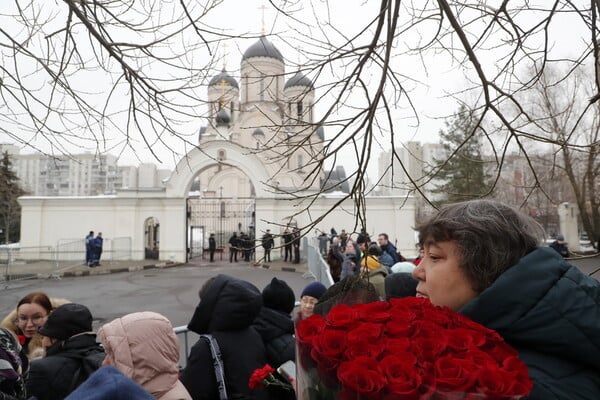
37 319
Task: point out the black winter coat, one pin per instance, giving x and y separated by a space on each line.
226 311
277 331
550 312
54 376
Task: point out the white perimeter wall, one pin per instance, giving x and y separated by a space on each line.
46 220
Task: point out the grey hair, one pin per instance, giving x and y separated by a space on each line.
491 237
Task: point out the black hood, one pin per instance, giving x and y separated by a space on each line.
227 304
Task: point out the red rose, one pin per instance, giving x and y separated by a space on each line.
402 375
310 328
367 331
363 346
259 375
499 383
454 374
377 311
341 316
329 345
399 329
461 339
429 348
362 377
398 345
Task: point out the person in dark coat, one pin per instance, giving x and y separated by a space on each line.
274 323
560 246
68 338
227 308
97 250
296 236
481 258
234 245
89 248
212 247
287 245
267 244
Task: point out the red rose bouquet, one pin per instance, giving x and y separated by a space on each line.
404 349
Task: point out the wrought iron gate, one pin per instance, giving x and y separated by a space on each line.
221 216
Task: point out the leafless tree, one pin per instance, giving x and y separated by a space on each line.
159 55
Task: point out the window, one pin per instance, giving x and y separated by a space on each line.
299 110
300 163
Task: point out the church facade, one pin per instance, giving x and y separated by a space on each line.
254 169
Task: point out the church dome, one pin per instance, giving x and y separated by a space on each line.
263 48
298 80
223 77
223 118
258 133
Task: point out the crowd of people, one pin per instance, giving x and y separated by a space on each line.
243 246
53 352
480 258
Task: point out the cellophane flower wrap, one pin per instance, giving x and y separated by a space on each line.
404 349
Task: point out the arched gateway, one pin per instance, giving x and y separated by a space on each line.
254 152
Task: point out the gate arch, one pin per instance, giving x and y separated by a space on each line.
180 181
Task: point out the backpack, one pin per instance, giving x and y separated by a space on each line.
90 362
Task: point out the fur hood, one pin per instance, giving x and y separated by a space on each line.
34 347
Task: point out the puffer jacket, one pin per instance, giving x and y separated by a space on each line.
32 347
227 308
549 311
144 348
376 274
55 376
277 331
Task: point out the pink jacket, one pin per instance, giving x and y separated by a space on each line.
144 348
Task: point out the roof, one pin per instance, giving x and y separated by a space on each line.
298 80
263 48
223 76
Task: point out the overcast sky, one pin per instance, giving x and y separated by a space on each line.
432 78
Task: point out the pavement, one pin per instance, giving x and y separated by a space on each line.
53 269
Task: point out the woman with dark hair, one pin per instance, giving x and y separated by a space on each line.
482 259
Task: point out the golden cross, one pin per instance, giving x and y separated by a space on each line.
224 56
263 8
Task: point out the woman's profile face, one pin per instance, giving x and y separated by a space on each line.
440 278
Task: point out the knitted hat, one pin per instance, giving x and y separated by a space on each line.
560 237
314 289
67 320
279 296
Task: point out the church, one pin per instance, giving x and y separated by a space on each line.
255 168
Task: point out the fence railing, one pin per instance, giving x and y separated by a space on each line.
317 266
66 254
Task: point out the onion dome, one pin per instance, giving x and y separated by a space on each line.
262 48
223 118
258 133
223 77
298 80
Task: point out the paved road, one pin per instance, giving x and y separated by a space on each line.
172 292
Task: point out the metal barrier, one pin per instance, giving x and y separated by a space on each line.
66 254
317 266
